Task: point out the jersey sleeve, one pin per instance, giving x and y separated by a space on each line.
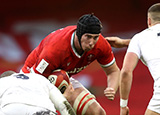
30 61
47 61
51 51
134 46
106 56
60 102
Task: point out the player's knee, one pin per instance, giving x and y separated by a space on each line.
100 111
85 104
95 109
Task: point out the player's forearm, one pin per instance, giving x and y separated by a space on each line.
113 76
125 42
118 42
69 110
125 84
113 80
122 43
61 103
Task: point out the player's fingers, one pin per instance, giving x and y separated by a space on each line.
71 87
110 97
111 38
109 93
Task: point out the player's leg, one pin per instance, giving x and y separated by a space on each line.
95 109
83 101
150 112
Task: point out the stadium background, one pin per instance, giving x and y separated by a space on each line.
23 24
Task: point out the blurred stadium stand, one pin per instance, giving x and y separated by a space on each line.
23 24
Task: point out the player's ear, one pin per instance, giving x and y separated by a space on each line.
149 20
7 73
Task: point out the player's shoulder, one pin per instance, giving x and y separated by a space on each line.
60 39
62 34
65 30
70 27
141 34
148 31
102 42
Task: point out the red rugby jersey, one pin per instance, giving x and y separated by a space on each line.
56 51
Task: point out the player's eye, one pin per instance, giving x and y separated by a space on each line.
89 36
95 38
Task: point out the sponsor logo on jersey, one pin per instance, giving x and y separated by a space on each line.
42 66
77 70
90 58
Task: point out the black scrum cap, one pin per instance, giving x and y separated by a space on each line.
88 24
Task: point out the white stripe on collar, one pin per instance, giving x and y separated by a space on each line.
72 45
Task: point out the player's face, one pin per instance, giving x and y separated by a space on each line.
88 41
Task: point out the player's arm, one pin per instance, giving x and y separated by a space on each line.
29 62
130 62
60 102
118 42
68 92
112 73
47 61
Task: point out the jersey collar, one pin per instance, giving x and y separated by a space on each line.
72 45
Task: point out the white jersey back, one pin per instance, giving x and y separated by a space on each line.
146 45
32 89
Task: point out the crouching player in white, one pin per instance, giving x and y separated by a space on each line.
31 94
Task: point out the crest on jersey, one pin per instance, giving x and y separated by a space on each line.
90 58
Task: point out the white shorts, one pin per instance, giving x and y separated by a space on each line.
154 103
22 109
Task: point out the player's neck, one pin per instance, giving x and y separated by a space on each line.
77 46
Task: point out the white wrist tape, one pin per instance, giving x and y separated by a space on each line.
123 103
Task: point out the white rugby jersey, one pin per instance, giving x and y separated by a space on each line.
32 89
146 45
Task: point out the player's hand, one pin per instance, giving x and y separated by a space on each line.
69 91
124 111
116 42
109 93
